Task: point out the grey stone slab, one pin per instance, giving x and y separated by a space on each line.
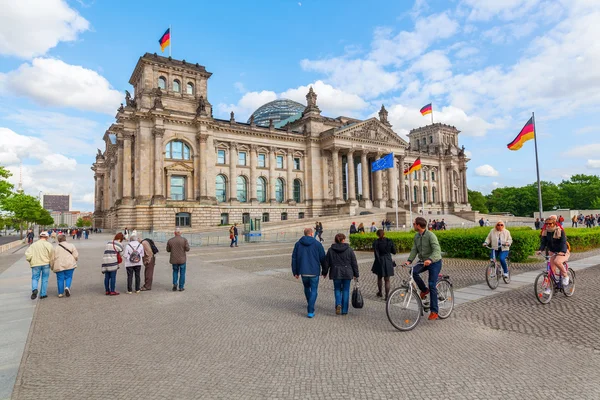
480 292
467 296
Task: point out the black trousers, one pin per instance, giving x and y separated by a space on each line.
130 271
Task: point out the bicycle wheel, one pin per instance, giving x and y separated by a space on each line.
570 288
491 276
445 298
507 279
404 308
544 288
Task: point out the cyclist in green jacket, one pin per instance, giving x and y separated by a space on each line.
427 247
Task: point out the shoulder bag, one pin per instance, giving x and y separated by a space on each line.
119 257
357 299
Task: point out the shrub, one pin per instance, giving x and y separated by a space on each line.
583 239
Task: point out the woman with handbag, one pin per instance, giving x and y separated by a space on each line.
383 266
113 256
63 264
341 264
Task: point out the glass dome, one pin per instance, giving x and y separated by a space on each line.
277 110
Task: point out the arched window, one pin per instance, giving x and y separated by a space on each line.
176 86
297 190
425 175
242 189
261 189
425 194
433 194
221 189
177 150
433 175
279 190
430 139
415 193
189 88
183 219
162 83
406 193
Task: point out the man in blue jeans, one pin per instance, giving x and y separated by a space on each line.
178 246
307 258
39 255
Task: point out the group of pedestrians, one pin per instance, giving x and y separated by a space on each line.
589 221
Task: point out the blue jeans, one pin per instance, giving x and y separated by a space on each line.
43 270
110 279
502 256
179 272
434 270
64 279
341 289
311 287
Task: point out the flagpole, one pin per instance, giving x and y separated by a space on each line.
396 188
432 114
410 195
170 39
537 167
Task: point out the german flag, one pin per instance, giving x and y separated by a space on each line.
527 133
426 109
414 167
165 40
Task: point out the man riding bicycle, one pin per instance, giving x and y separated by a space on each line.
499 240
427 247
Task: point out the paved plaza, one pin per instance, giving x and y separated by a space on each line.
239 331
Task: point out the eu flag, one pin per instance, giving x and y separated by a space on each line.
383 163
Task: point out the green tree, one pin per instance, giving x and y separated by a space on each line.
24 209
5 187
44 218
579 191
79 222
595 205
478 201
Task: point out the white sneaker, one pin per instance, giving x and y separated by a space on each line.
565 281
547 291
506 275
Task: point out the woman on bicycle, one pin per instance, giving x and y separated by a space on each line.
554 240
383 266
499 240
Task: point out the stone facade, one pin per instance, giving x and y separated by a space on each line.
168 162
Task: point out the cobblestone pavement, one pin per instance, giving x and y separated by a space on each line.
239 331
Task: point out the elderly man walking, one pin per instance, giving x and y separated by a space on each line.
39 255
307 259
178 246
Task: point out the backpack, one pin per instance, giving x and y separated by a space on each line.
134 257
152 245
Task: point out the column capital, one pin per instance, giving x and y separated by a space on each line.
233 146
273 149
127 135
201 137
158 132
254 147
120 143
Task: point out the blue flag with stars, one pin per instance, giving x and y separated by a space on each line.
383 163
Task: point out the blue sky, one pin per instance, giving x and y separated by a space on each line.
484 64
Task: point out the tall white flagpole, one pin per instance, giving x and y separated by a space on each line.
410 195
537 168
431 113
396 187
170 39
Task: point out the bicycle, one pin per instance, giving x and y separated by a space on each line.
494 270
404 307
547 283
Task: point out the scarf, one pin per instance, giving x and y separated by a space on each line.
557 231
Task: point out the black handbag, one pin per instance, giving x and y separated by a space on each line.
357 299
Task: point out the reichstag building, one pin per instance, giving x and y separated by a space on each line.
168 162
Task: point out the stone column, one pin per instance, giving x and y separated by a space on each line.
378 182
159 192
351 176
335 155
119 168
272 176
289 176
126 176
253 176
105 186
364 166
233 160
202 167
429 183
464 182
402 181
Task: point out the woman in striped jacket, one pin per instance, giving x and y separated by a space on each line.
110 263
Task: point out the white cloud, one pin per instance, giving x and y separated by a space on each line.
486 170
593 164
239 86
52 82
32 27
15 147
588 150
466 52
483 10
434 66
247 104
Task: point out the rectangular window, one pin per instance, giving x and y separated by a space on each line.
220 156
284 216
177 150
300 215
262 160
245 218
265 217
280 162
296 163
242 158
224 219
177 187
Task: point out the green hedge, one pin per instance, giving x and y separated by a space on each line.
466 243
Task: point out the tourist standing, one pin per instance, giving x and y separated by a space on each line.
320 232
63 264
178 246
53 236
373 227
307 258
149 261
383 266
86 233
134 251
537 224
110 263
361 228
126 233
353 228
233 235
39 255
481 222
341 264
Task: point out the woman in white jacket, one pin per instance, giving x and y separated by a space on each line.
499 240
63 264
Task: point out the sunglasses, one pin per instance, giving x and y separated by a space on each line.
550 223
500 225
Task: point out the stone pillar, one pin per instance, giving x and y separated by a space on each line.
335 155
159 191
351 176
97 200
289 176
233 160
429 183
253 174
119 168
202 167
126 176
105 188
402 181
378 182
272 176
464 182
364 166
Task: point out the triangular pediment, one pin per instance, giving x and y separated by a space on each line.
180 167
372 130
